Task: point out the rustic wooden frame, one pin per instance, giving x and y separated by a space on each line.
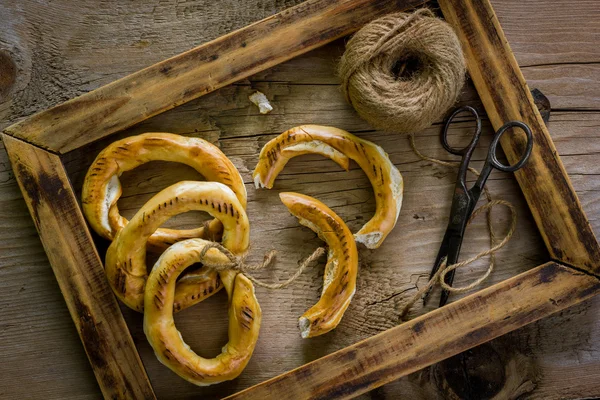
35 145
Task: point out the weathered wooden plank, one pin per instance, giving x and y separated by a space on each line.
36 331
78 269
506 97
192 74
434 336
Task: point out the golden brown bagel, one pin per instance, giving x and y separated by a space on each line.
340 145
102 188
165 339
126 257
342 263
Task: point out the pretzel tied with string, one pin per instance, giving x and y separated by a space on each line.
168 288
339 279
102 188
244 316
126 257
161 293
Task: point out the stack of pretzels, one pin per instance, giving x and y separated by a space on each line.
169 288
160 294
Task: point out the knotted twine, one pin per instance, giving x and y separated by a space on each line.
440 275
402 72
239 264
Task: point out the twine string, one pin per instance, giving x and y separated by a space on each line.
388 41
440 275
374 76
239 264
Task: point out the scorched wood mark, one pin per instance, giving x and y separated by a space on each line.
78 270
94 343
28 185
547 275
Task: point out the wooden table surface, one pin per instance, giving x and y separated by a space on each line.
53 51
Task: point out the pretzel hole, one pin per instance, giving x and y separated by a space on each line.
187 220
204 326
140 184
191 268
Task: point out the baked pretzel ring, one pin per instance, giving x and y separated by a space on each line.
169 347
102 188
126 256
339 280
340 146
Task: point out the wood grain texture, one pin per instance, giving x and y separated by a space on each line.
79 272
202 70
434 336
547 33
506 97
61 52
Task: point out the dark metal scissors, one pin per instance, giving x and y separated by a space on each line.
464 200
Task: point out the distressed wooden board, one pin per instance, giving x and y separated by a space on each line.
97 43
544 33
433 336
537 343
79 271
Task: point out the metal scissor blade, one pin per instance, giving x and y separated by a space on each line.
454 244
443 252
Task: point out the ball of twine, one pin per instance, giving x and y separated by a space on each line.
402 72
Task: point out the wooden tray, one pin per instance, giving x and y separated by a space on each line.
37 147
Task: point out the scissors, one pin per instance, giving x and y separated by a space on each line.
464 200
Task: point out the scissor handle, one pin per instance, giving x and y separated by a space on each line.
493 159
468 148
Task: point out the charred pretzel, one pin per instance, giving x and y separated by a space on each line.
340 146
102 188
169 347
126 257
339 279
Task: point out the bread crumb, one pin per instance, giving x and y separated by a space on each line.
261 101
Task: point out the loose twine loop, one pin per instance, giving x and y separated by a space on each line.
239 264
440 275
402 72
